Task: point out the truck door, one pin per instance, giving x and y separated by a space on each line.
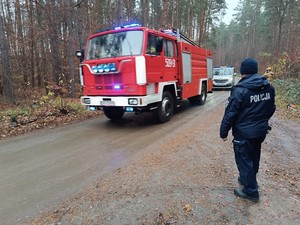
154 59
170 60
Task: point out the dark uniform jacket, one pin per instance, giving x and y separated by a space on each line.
250 106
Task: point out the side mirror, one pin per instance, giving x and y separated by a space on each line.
159 45
80 54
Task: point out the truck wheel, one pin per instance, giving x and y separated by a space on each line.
113 113
203 94
165 107
199 99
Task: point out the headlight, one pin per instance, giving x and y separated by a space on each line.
87 101
132 101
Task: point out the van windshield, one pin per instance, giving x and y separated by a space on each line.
115 45
223 71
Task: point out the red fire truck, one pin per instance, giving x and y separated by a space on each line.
136 69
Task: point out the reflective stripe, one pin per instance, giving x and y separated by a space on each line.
140 68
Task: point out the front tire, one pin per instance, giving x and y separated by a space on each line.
113 113
165 108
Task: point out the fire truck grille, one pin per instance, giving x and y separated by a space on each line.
108 79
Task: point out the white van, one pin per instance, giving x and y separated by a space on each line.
223 77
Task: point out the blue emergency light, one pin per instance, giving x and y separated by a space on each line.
95 69
104 68
112 67
128 26
117 86
100 68
120 27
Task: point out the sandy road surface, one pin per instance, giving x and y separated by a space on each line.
138 172
38 170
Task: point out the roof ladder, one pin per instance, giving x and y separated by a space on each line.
175 32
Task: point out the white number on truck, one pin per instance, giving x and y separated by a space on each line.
170 62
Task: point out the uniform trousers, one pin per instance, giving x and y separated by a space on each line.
247 156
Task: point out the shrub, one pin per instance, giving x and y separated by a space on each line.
287 98
287 91
14 113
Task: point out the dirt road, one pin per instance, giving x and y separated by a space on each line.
139 172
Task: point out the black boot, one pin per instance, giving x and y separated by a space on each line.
240 193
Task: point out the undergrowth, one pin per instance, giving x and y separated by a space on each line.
45 105
288 97
43 112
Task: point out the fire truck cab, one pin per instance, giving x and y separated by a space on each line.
136 69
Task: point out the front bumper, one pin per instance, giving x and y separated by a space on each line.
222 85
123 101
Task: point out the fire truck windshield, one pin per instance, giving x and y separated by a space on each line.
115 45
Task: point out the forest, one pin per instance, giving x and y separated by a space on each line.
39 38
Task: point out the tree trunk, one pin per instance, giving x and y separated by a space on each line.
172 12
54 34
32 43
120 13
8 89
21 45
188 20
179 12
70 20
164 23
145 12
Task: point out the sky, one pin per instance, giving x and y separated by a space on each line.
231 5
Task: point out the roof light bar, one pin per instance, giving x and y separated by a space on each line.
128 26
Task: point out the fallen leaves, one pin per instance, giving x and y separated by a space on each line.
187 208
43 116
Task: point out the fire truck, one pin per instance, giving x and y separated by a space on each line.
137 69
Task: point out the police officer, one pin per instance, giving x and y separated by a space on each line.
250 106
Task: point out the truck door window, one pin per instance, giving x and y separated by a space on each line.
151 44
168 48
